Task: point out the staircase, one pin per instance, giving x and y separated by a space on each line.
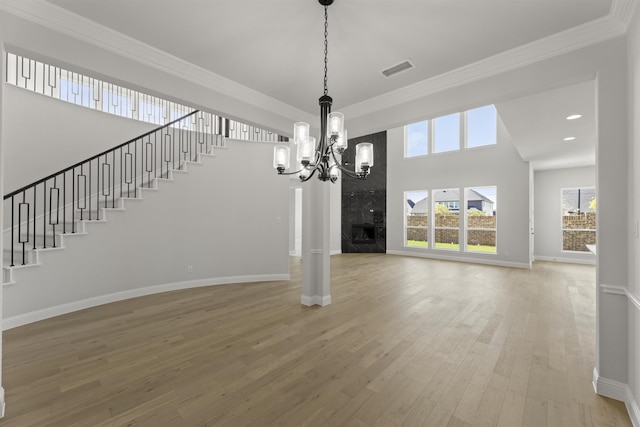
41 216
61 255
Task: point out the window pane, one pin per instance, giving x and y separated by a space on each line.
578 219
447 133
447 220
481 219
481 126
417 141
417 218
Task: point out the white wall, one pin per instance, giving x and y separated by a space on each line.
547 215
633 289
44 135
499 165
227 233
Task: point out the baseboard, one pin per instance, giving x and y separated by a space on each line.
632 407
310 300
335 252
565 260
618 391
609 388
445 257
34 316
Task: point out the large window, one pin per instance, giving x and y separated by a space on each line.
453 132
481 219
417 218
446 133
446 221
481 126
417 139
434 219
578 219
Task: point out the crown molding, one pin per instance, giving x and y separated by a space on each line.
58 19
622 11
587 34
48 15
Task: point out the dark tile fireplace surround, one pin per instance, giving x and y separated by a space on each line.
364 203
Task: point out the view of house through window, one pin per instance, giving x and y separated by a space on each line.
481 219
578 219
445 223
446 218
445 133
417 218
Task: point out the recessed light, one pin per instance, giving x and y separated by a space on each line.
574 116
570 138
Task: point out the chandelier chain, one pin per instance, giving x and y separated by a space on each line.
326 47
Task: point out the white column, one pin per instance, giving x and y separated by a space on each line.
2 67
316 245
611 373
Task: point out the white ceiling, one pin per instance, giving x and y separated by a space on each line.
538 125
276 48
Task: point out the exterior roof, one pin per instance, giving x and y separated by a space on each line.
451 195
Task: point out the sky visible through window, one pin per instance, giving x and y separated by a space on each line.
421 197
481 130
481 126
417 141
447 133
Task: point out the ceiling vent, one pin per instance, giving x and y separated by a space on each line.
398 68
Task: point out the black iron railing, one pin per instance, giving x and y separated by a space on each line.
108 97
40 211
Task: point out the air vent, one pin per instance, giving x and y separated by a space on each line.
403 66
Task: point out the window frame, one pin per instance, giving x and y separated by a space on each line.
463 140
563 229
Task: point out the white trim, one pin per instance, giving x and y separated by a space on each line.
622 10
564 260
587 34
336 252
59 19
316 251
609 388
51 16
34 316
621 290
310 300
2 402
632 408
444 257
618 391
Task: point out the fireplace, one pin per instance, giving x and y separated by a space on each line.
363 233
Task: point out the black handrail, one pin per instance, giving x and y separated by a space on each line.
87 187
40 181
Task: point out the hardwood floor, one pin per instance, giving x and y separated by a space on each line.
406 342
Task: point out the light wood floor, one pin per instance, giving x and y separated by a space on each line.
406 342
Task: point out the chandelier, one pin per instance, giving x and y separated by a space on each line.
322 158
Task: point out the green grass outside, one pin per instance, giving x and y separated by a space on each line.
453 246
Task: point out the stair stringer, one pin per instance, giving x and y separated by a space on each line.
226 233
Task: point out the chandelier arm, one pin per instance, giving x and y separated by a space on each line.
313 172
350 173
